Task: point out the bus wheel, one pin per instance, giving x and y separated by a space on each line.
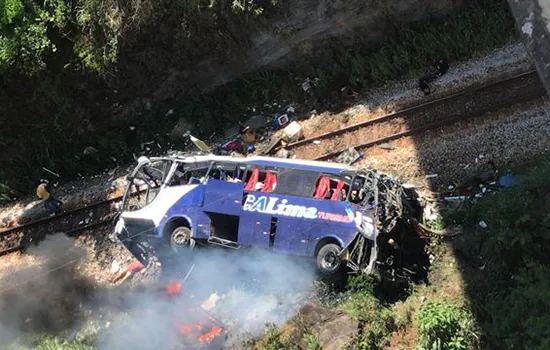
181 239
328 262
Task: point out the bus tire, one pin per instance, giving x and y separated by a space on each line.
181 239
328 262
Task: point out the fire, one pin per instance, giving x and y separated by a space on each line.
188 330
214 332
205 331
172 288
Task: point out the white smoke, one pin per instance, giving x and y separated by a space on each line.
254 288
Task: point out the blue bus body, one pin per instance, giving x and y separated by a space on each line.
298 208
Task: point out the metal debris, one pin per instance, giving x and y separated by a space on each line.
51 172
89 150
348 156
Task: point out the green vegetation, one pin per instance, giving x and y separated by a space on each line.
443 326
274 340
71 55
32 32
377 321
511 296
311 340
52 343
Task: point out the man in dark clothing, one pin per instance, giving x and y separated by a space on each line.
442 66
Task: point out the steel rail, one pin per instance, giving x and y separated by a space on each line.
407 111
411 111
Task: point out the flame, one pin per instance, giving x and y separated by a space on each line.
214 332
185 329
172 288
188 330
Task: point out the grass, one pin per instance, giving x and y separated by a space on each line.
274 340
57 143
48 342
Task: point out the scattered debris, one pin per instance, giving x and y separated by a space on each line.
201 145
387 146
51 172
210 303
115 267
293 132
248 135
349 156
89 150
431 176
280 121
317 142
506 181
455 198
283 153
482 224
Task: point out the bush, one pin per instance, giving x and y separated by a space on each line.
273 340
512 298
48 342
377 321
441 326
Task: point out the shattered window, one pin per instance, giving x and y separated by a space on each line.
189 174
226 172
298 183
146 183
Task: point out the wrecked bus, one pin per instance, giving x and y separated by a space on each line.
331 212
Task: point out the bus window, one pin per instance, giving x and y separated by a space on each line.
358 194
264 180
189 174
145 184
332 188
299 183
225 172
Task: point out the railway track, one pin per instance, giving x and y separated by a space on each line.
410 121
443 111
69 222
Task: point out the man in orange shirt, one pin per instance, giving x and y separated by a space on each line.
130 271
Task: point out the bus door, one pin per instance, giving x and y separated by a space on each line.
222 202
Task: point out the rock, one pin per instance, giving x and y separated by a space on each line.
293 132
282 153
348 156
387 146
337 333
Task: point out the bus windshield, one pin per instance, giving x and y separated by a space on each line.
145 183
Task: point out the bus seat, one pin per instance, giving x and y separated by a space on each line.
269 183
322 188
251 184
336 193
